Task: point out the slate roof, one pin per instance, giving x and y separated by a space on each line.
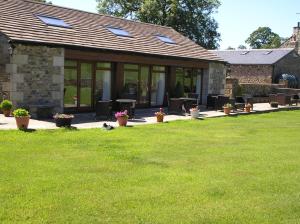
18 21
253 56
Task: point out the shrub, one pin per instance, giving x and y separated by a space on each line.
6 105
227 105
21 113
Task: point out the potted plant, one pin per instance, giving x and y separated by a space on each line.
122 118
227 108
63 120
274 104
248 107
160 115
6 107
194 112
22 118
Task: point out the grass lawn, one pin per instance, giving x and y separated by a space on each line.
227 170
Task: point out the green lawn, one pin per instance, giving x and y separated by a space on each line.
226 170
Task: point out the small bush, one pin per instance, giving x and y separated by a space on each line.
21 113
6 105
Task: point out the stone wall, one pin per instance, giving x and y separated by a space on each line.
258 74
4 60
37 77
216 78
290 64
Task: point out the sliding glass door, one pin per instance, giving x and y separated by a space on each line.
85 84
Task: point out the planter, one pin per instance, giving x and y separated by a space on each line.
63 122
227 110
274 105
160 118
194 113
122 121
248 109
22 122
6 113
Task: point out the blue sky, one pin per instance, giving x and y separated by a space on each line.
236 18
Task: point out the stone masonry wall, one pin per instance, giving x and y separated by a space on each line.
217 76
256 74
37 77
4 60
290 64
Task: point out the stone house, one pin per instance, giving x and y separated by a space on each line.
261 66
51 55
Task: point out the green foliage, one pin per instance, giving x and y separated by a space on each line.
215 171
21 113
263 37
227 105
230 48
242 47
6 105
189 17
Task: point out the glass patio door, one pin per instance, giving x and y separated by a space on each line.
85 85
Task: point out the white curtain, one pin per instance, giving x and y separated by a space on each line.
106 86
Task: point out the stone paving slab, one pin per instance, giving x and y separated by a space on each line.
146 116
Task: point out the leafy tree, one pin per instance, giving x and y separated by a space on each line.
230 48
263 37
192 18
242 47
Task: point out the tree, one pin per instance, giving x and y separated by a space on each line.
242 47
230 48
263 37
192 18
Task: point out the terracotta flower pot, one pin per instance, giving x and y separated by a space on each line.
227 110
6 113
248 109
122 121
160 118
22 122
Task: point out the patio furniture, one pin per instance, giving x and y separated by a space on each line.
295 99
221 101
283 99
129 105
104 109
195 96
239 103
189 103
211 101
175 105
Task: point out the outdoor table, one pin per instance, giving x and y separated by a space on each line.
127 104
189 103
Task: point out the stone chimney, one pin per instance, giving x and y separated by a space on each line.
294 40
296 36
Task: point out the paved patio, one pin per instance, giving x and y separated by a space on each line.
143 116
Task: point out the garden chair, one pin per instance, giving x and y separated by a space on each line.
175 105
104 109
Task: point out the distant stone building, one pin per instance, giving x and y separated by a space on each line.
261 66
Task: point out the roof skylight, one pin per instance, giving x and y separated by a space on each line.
268 52
245 52
52 21
119 32
166 39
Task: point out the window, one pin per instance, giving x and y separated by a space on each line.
245 52
52 21
119 32
267 52
166 39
